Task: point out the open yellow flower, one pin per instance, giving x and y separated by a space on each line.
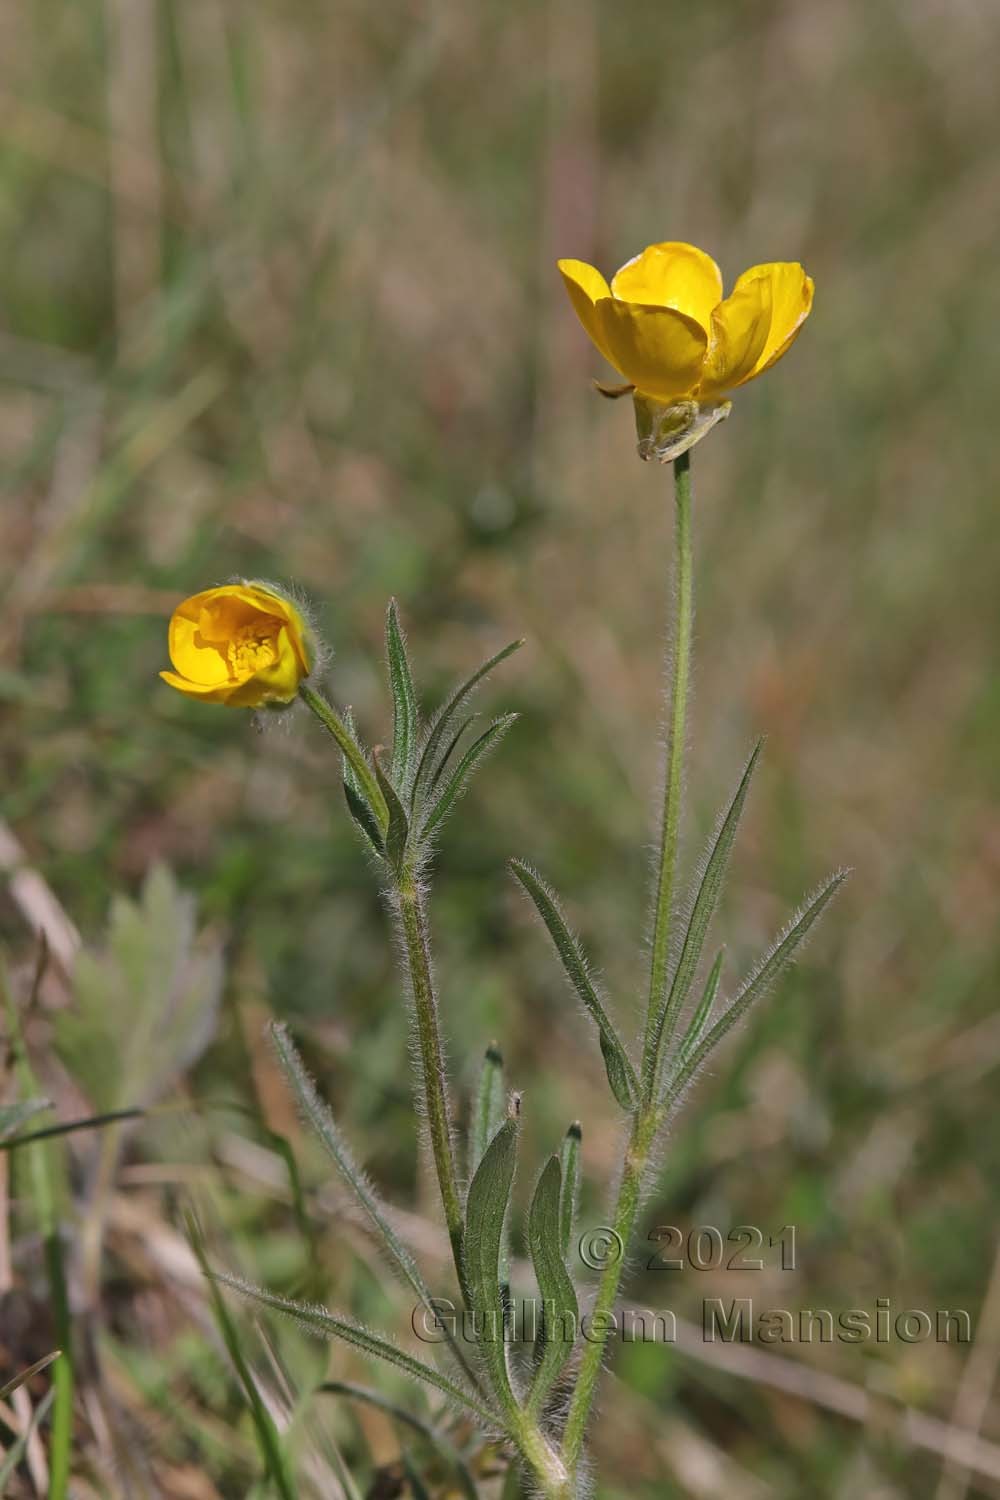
664 325
241 644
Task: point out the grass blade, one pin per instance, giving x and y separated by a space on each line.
621 1074
436 1439
268 1438
24 1375
10 1460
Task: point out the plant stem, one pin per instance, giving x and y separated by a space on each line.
641 1134
334 724
413 920
674 772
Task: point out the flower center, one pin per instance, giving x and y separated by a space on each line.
250 650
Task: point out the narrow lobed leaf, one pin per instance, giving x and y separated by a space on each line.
456 783
703 1010
321 1321
488 1107
441 727
558 1296
702 911
758 982
621 1074
569 1199
489 1197
405 712
398 830
445 758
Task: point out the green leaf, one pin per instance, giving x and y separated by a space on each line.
320 1320
146 1003
621 1074
488 1107
703 1010
456 783
268 1438
452 747
430 761
398 830
569 1162
13 1116
558 1297
418 1489
357 803
405 712
758 982
319 1117
489 1196
702 911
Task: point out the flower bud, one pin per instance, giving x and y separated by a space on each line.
243 644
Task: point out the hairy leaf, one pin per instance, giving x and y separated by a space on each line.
455 784
489 1196
569 1197
488 1107
703 1010
621 1074
405 712
444 720
558 1297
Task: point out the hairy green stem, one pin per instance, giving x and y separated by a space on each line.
641 1134
413 921
674 772
334 724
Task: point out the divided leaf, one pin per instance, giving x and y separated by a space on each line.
488 1107
455 784
621 1074
321 1321
405 711
486 1212
558 1296
702 911
758 982
431 758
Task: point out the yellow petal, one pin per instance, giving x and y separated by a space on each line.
586 286
740 329
658 349
672 275
791 303
217 694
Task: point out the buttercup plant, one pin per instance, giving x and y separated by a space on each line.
664 325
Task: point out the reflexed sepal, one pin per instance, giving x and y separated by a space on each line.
667 429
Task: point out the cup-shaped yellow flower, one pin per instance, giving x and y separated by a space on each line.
681 346
242 644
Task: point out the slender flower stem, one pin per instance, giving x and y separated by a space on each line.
673 777
413 921
334 724
640 1139
647 1117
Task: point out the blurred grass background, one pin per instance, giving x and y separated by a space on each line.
278 299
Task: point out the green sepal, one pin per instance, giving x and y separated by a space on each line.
558 1296
405 710
621 1074
486 1212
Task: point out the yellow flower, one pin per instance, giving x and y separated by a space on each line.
664 325
241 644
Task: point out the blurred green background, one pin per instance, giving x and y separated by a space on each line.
278 300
